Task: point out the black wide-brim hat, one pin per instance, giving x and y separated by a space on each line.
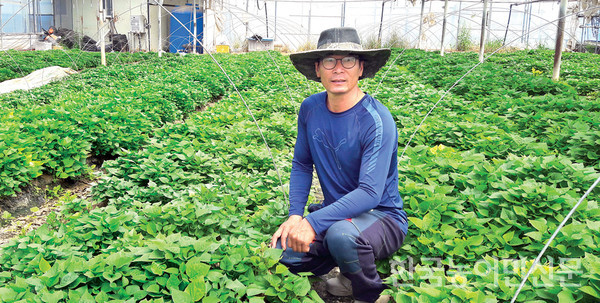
340 41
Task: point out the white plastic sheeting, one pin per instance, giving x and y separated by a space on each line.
36 79
22 42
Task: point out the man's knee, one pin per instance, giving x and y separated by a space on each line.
341 235
342 245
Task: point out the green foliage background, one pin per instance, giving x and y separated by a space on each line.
193 197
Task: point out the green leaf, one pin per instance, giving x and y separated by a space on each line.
565 296
590 291
44 265
302 287
7 294
430 291
111 277
521 211
236 286
537 236
254 290
539 224
196 289
256 300
68 279
53 297
132 289
508 236
119 259
157 268
68 162
173 282
416 221
152 287
196 268
181 296
102 297
226 264
273 255
281 269
86 297
211 299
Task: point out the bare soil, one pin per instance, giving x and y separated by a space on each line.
318 285
35 195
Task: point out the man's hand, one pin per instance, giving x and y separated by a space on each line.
284 230
301 236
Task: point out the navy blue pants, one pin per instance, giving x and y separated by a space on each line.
353 245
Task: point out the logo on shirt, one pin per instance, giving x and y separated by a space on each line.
320 136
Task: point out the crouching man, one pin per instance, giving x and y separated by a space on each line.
352 141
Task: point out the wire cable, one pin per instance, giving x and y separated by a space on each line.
537 259
243 100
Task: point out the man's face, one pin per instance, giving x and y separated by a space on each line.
338 77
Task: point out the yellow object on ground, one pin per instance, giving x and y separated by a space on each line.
222 48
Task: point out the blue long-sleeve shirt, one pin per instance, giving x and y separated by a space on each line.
355 155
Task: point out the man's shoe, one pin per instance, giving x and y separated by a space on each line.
339 286
382 299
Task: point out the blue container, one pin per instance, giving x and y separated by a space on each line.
182 29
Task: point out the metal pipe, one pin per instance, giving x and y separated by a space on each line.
507 24
444 27
458 21
81 27
160 44
147 25
343 17
101 30
489 17
529 23
482 37
420 24
560 33
204 21
195 23
266 19
1 34
309 19
381 23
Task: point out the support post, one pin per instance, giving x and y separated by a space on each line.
381 23
147 27
195 28
444 26
266 18
1 28
483 30
309 19
560 32
343 13
35 16
159 13
489 18
421 24
245 18
101 31
458 21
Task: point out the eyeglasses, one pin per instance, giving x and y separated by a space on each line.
347 62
